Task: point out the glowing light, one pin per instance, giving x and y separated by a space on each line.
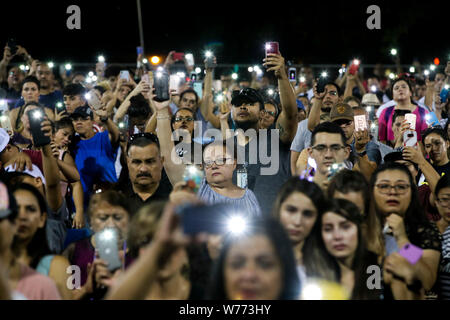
159 75
234 76
90 74
324 74
50 65
356 62
436 61
208 54
237 225
121 125
59 105
101 58
37 114
107 235
426 72
155 60
250 69
432 67
412 69
145 60
373 88
22 67
268 46
270 92
181 75
94 78
312 292
368 109
393 51
302 79
391 76
87 96
68 66
198 70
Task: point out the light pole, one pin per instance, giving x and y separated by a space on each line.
141 31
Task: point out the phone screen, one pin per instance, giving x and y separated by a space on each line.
198 89
161 86
35 118
292 74
124 74
108 247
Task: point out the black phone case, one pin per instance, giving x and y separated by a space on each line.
39 139
321 85
162 88
210 63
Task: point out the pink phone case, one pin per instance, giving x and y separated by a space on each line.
411 253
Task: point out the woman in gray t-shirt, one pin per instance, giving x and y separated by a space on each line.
219 164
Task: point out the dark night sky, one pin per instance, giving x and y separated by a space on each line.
321 32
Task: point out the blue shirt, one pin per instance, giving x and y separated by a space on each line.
95 160
49 100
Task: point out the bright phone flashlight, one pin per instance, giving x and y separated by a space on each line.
107 235
101 58
68 66
412 69
324 74
426 72
270 92
37 114
234 76
237 225
356 62
208 54
373 88
394 52
50 65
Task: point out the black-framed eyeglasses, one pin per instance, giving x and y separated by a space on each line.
179 119
385 188
146 135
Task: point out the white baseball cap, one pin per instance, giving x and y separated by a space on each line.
4 139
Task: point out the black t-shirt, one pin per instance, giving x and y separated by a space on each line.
443 169
12 96
265 185
161 194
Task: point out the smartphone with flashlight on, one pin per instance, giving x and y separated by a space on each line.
209 61
124 74
174 83
189 57
107 244
354 67
292 74
321 83
177 56
272 47
35 118
161 85
93 100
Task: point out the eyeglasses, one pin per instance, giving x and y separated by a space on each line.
188 101
321 148
385 188
332 93
443 202
179 119
146 135
270 113
219 162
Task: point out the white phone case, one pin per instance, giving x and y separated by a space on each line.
411 118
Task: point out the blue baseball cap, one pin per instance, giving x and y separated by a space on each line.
300 105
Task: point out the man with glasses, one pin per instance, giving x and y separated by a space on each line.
94 153
321 105
328 147
362 148
147 180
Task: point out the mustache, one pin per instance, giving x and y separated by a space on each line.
144 175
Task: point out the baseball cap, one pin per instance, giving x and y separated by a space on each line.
83 112
4 139
247 95
8 204
397 156
341 111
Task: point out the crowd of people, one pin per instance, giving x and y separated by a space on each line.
270 187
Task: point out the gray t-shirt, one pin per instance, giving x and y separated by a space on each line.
266 186
247 203
302 138
57 228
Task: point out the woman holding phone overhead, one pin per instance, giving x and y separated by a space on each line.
402 95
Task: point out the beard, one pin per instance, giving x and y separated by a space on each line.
247 124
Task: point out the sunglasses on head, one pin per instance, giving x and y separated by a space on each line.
146 135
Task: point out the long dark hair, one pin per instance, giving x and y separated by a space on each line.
276 234
414 217
38 246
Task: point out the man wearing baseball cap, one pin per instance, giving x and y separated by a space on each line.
365 153
94 153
